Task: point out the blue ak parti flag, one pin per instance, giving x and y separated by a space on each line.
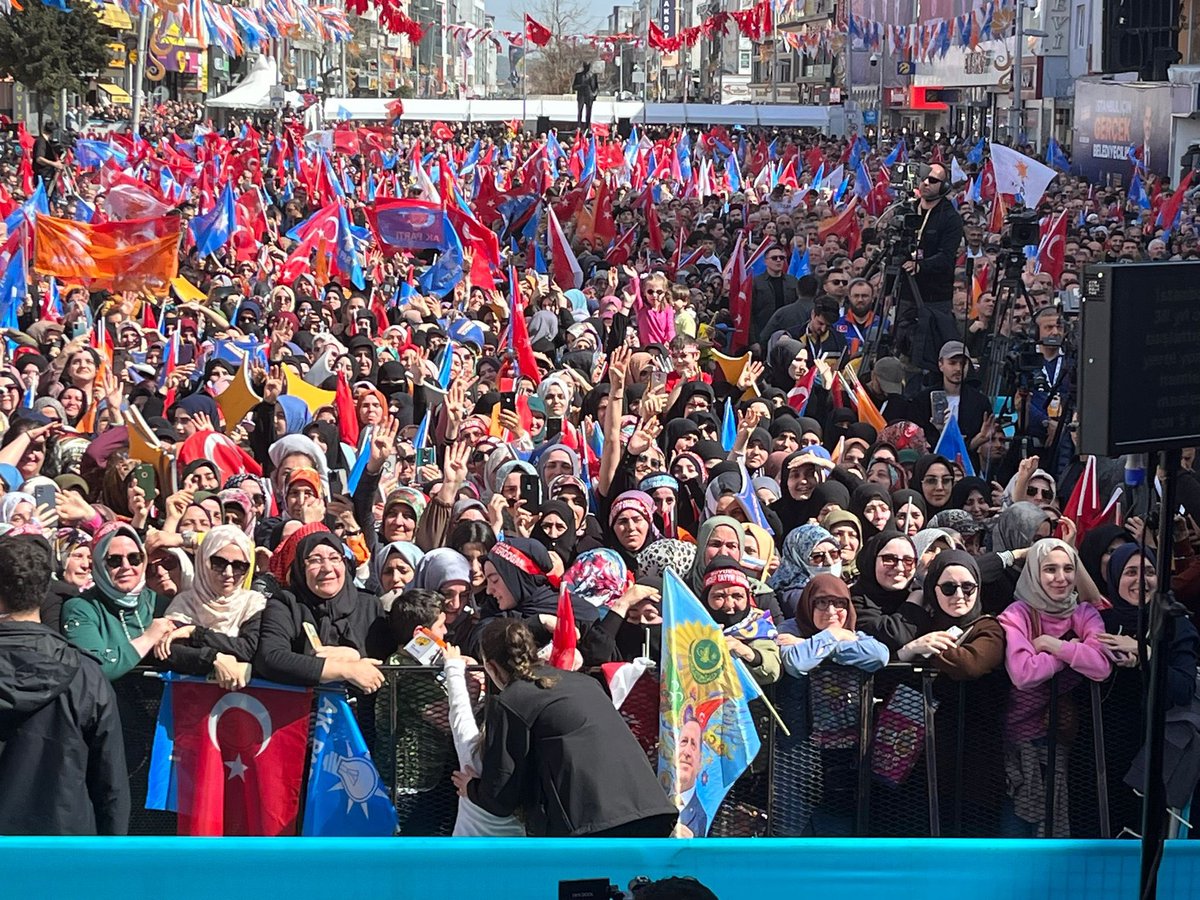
799 265
728 427
360 462
346 796
953 446
213 230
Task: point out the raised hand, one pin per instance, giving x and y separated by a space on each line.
383 443
273 384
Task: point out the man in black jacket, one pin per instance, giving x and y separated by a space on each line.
773 290
922 330
792 318
962 400
62 754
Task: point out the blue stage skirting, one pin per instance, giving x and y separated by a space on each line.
848 869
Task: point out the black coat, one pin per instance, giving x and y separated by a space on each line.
763 305
62 753
973 405
565 756
938 253
284 653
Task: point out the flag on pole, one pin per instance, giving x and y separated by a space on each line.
953 446
1017 173
799 265
707 737
728 427
567 272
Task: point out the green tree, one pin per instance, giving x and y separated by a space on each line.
49 50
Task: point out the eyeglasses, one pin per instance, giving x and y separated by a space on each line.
776 258
653 293
219 564
950 588
116 560
934 480
838 282
316 562
891 560
1044 493
929 179
821 559
825 603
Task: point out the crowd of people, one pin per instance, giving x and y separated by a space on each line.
148 520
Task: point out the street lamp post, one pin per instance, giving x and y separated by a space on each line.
1014 114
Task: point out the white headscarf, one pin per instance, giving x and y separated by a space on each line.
1029 585
202 603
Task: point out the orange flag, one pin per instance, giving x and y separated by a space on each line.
115 256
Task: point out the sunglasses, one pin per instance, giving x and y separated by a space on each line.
892 560
1044 493
934 480
821 559
776 258
219 564
950 588
825 603
116 560
929 179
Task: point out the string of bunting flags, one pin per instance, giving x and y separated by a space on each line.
237 29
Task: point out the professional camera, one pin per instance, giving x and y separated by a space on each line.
1023 229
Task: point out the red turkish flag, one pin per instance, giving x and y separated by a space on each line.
441 131
845 226
1051 246
537 33
741 296
239 758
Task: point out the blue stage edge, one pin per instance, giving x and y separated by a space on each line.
235 868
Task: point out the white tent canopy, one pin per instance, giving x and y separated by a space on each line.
562 110
254 91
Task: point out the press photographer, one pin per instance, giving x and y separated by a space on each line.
925 318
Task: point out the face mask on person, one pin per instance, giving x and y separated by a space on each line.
835 570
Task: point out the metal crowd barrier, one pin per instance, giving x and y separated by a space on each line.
904 752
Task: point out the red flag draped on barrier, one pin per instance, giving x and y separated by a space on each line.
240 758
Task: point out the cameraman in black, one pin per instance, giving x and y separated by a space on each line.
47 157
924 328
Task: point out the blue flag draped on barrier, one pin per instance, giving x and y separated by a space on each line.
346 796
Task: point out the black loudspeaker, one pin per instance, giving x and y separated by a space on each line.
624 127
1139 362
543 124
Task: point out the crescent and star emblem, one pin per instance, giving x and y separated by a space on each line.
248 704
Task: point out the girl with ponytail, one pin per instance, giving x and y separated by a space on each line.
556 748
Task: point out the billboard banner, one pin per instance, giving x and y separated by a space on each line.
1112 117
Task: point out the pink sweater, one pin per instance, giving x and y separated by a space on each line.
1028 667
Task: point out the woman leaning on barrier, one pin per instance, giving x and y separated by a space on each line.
815 773
966 648
216 621
1130 576
1048 633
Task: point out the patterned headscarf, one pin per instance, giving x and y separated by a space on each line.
664 554
795 570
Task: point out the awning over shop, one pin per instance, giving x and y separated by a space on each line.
117 95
